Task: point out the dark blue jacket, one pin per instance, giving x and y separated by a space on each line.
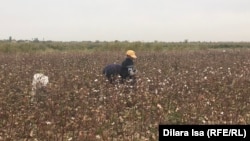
127 65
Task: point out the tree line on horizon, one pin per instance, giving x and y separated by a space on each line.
8 46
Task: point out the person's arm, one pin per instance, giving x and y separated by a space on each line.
128 65
131 70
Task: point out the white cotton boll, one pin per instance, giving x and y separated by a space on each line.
159 70
148 79
48 122
156 91
159 106
98 137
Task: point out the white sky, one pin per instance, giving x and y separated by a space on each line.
132 20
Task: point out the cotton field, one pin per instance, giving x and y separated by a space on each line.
78 103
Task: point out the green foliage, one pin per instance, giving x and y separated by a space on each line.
89 46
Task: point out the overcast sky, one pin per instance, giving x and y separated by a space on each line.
132 20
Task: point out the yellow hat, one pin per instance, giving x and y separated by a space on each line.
131 53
